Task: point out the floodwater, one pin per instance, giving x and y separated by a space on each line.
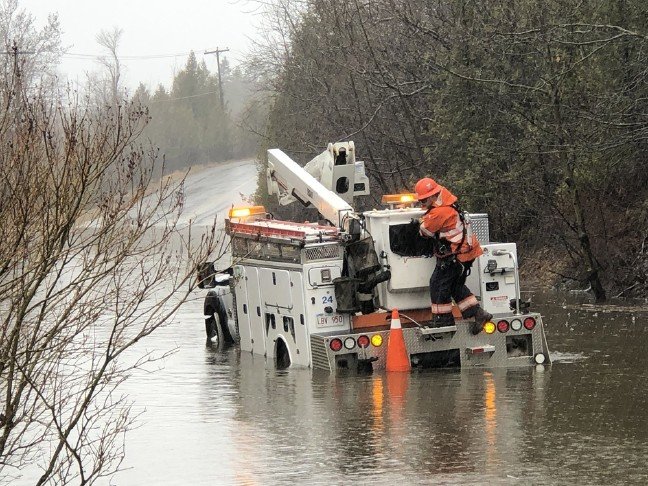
227 417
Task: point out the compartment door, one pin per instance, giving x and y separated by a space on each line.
242 308
257 323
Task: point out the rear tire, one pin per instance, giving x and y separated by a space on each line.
282 355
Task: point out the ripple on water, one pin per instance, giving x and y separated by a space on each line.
566 357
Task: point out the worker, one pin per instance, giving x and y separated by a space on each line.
455 248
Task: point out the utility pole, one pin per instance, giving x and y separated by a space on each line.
17 73
220 82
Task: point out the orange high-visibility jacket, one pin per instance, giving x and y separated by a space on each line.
443 221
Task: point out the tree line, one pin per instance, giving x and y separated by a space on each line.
190 124
535 112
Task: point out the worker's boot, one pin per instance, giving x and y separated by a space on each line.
481 318
442 320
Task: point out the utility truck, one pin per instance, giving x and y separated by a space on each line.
320 295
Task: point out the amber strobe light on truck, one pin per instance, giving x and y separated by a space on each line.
246 211
401 200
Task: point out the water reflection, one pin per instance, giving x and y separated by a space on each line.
296 424
230 418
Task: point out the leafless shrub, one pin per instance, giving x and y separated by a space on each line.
92 260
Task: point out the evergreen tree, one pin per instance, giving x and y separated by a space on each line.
188 123
533 112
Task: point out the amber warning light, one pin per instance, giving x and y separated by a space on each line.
489 327
246 212
399 199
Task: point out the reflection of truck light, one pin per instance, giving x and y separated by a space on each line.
319 294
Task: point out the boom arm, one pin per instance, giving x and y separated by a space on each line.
287 178
335 168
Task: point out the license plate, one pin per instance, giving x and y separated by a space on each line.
326 320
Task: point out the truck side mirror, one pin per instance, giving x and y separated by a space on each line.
206 275
209 277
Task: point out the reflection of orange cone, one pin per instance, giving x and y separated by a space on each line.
397 358
397 384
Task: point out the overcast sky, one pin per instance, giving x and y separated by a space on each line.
158 34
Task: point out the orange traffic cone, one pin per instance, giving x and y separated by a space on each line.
397 358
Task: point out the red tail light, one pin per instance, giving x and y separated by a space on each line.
529 323
502 326
363 341
335 344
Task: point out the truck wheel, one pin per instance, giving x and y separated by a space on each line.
218 333
282 355
214 330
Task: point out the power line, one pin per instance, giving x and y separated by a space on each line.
184 97
80 55
74 55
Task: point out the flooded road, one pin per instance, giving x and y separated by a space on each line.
226 417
